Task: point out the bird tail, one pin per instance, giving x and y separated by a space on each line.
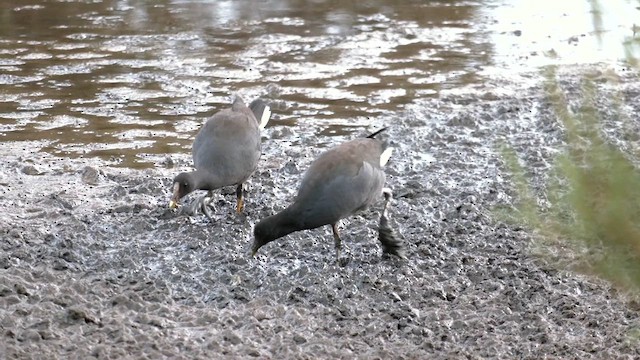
262 112
377 132
386 154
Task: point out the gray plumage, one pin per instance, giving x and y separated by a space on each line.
225 152
339 183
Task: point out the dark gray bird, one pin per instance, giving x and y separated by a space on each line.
340 182
225 152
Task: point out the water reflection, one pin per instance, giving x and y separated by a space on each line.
132 80
562 32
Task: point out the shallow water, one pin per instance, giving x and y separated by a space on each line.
131 81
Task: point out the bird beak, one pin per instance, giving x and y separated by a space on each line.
174 200
254 250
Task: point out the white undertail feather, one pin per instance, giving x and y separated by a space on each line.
266 115
385 156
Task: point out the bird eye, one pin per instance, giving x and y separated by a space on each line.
184 184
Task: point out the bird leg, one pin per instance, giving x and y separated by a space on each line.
240 198
336 239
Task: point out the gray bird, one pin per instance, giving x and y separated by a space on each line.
340 182
225 152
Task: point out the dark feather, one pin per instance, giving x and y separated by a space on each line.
377 132
390 243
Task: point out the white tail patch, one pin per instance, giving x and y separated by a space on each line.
385 156
266 115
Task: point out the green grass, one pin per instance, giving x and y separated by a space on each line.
593 195
591 222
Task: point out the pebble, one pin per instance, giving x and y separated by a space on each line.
30 170
90 175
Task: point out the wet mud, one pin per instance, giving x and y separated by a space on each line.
99 103
94 264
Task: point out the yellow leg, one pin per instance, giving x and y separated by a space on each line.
240 199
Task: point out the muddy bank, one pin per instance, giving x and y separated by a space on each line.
93 264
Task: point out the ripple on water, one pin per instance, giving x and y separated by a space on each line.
354 81
16 121
42 104
10 79
324 94
68 69
385 95
82 56
287 21
130 66
182 109
35 56
61 121
126 94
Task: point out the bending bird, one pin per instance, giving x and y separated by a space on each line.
340 182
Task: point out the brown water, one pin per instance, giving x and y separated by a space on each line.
131 81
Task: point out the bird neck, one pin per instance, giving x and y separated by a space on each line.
283 223
205 180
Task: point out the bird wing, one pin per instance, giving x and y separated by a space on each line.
228 145
340 182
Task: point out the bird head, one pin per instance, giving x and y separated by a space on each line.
261 236
269 229
182 185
